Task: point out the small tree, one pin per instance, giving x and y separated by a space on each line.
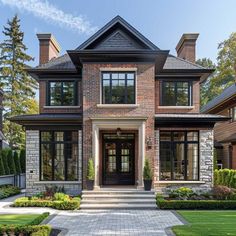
2 171
5 161
17 162
90 171
22 160
11 162
147 172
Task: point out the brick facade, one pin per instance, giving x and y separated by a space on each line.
145 83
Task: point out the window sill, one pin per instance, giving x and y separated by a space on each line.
176 107
117 105
180 182
58 182
59 107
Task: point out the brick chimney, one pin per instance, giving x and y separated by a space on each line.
186 47
48 48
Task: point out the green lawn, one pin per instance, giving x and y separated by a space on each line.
206 223
17 219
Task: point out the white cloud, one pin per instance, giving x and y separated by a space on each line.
51 13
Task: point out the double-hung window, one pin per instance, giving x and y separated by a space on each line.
179 155
176 93
118 87
59 155
62 93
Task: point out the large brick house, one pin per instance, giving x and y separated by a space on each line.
118 99
225 131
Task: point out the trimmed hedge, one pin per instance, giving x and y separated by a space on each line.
225 177
59 205
34 230
8 190
196 204
39 219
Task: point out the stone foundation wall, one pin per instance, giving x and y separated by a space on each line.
33 183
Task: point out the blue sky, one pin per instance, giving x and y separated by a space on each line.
162 21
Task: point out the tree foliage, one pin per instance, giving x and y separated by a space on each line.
5 161
2 171
17 162
19 87
225 72
22 160
11 162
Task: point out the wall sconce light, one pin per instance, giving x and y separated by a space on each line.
118 132
149 142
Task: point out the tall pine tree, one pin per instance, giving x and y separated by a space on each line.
18 86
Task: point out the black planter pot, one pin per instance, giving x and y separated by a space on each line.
90 184
147 185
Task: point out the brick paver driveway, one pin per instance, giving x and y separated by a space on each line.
115 222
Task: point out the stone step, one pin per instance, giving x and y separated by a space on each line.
118 192
115 200
118 196
118 206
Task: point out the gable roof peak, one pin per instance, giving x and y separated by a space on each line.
117 21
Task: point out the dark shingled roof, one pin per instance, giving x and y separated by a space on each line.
172 62
177 63
61 63
226 94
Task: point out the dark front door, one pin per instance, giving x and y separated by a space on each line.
118 159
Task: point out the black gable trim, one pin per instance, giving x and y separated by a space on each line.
117 23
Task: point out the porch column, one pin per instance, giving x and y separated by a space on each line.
141 159
95 142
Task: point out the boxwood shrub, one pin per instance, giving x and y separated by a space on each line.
34 230
196 204
8 190
59 205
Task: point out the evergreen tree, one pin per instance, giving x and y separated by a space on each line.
22 160
17 162
11 162
5 161
2 171
18 86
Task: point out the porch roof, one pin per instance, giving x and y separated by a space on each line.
47 119
195 119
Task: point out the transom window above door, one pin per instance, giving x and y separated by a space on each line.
62 93
118 87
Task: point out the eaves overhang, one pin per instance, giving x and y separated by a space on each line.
158 57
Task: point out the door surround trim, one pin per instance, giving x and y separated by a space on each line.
113 124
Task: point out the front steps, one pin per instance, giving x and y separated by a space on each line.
118 199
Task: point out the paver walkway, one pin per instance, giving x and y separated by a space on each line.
116 222
102 222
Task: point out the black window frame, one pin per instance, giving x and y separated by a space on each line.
190 92
232 112
172 150
75 95
53 150
110 85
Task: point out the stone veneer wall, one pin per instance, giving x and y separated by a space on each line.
33 183
205 182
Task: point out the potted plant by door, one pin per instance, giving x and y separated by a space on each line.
90 174
147 176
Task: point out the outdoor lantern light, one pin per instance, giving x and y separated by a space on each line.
118 132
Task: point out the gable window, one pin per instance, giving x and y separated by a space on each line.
179 155
62 93
176 93
59 155
118 88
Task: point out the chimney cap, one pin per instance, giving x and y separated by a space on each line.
186 37
49 37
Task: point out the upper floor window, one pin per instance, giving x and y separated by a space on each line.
232 113
176 93
118 88
62 93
